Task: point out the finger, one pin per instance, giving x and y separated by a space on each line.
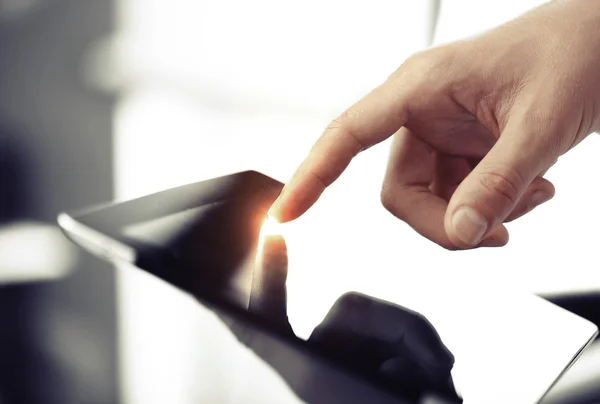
370 121
268 296
449 173
497 237
543 173
539 191
487 196
406 193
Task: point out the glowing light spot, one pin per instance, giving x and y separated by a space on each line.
270 227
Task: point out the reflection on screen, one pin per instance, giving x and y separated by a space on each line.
209 249
218 249
162 230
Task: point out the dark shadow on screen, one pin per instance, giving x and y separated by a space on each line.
209 248
380 341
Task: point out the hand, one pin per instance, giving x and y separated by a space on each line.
376 338
476 125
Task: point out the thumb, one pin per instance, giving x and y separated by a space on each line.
490 192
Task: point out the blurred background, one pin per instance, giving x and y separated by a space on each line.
113 99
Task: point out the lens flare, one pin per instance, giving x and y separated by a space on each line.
270 227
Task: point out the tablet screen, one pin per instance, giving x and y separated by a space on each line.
200 237
205 238
212 247
159 231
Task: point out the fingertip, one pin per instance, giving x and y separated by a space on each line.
539 192
549 186
542 186
498 237
275 211
294 201
467 229
284 211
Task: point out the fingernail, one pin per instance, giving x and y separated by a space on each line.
468 225
540 197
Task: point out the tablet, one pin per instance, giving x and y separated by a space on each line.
214 226
509 347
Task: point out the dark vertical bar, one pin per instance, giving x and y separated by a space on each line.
58 339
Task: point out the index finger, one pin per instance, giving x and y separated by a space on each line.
368 122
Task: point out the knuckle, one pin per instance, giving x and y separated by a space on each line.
347 116
386 197
505 183
389 200
430 62
409 72
427 73
416 60
335 126
342 127
441 58
323 180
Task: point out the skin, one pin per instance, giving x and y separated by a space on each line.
475 125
